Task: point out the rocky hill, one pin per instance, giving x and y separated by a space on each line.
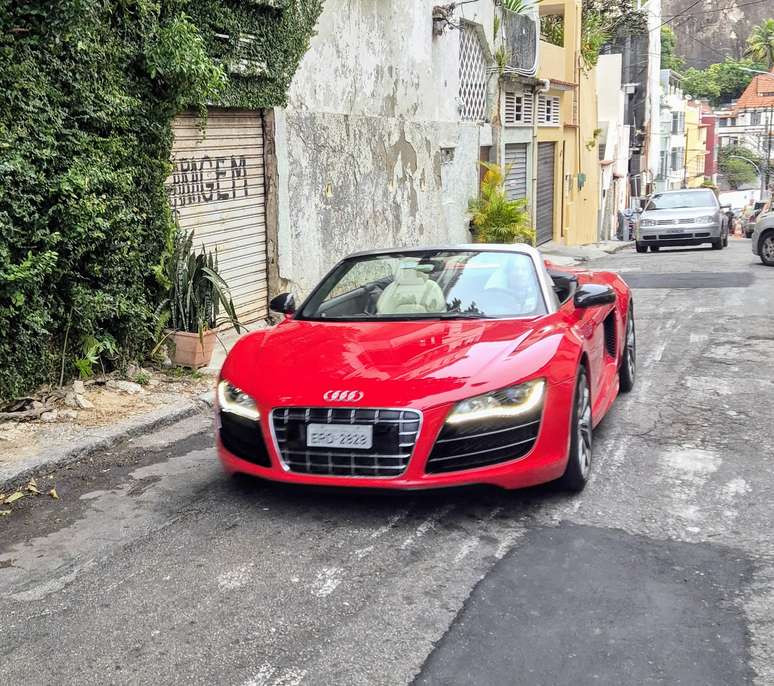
710 30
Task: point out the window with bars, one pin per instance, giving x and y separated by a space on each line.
472 75
518 108
548 110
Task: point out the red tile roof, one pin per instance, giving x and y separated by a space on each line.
758 94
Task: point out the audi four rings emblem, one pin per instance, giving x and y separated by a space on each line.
343 396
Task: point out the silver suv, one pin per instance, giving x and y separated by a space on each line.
687 217
763 237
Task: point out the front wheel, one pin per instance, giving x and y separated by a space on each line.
628 369
718 244
639 247
767 249
655 248
576 474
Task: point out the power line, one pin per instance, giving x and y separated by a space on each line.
721 9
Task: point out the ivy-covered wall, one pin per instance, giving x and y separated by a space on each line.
88 89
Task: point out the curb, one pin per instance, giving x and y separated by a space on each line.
106 437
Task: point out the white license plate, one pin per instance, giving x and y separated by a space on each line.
351 436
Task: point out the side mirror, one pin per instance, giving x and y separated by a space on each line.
639 210
594 295
284 303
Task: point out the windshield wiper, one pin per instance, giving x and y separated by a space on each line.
462 315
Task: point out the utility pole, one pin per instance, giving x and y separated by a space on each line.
766 161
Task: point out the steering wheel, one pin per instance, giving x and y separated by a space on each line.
500 301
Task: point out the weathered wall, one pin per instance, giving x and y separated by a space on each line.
370 150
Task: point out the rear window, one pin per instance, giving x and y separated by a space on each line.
676 201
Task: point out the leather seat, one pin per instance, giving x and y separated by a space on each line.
412 292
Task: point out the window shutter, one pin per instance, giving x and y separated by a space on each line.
527 107
555 111
510 108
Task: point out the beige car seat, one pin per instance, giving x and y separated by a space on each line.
412 292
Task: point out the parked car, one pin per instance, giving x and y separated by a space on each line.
432 367
763 238
752 218
686 217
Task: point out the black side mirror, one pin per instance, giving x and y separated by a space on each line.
284 303
594 295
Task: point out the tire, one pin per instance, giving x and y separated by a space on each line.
725 241
641 248
627 371
718 244
576 474
766 248
654 248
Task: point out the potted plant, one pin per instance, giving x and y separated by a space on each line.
494 218
197 295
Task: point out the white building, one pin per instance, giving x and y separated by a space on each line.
671 173
613 143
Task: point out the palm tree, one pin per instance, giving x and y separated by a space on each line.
760 44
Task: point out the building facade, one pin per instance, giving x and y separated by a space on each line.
567 178
613 143
710 120
671 174
695 145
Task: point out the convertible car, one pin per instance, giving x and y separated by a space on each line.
431 367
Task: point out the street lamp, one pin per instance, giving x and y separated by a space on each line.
765 174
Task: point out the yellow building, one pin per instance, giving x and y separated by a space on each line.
567 161
695 145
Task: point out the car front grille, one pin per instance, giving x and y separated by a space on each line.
458 448
394 436
243 438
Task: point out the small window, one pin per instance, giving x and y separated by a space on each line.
518 108
755 118
548 110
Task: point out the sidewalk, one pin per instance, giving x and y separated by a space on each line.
569 255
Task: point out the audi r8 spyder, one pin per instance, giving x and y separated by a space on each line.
431 367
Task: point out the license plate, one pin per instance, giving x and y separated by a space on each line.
349 436
675 230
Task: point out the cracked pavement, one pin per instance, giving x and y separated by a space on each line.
154 568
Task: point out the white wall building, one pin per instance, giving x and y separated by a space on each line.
613 143
385 124
671 174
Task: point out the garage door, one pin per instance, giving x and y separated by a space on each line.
217 191
516 179
544 203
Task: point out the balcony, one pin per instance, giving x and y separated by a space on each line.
553 63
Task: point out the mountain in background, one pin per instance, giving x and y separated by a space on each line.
711 30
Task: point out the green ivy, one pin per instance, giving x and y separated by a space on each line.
88 89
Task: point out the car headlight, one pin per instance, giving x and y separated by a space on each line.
707 219
507 402
647 222
235 401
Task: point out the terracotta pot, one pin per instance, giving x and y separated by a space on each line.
189 350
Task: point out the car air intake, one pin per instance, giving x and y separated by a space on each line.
481 445
394 433
243 437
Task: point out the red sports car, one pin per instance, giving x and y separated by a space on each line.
431 367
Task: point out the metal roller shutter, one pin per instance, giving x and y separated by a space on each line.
516 179
544 203
217 190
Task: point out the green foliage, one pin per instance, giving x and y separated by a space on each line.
602 20
552 29
88 89
737 171
669 57
519 6
760 44
497 219
95 352
198 292
720 82
596 30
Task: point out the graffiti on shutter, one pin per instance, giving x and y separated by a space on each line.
217 191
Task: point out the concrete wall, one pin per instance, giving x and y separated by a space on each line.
370 150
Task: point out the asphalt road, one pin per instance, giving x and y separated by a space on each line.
154 568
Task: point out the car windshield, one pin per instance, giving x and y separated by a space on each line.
677 201
438 284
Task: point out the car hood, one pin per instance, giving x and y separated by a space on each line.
391 363
682 213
